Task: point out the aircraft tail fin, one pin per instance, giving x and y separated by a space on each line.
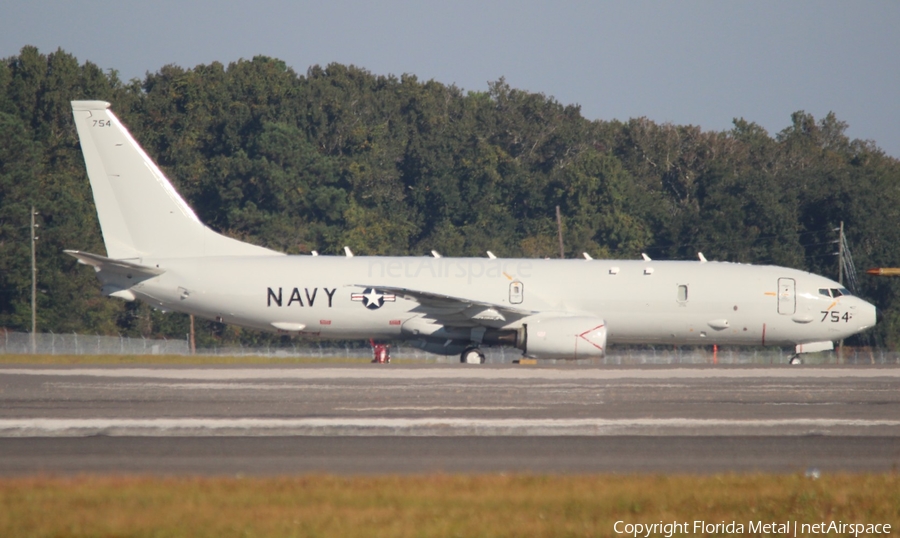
141 214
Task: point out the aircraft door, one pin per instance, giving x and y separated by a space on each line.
516 292
787 298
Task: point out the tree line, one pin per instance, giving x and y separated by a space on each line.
393 165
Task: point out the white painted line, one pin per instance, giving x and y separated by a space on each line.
354 426
573 374
178 385
445 408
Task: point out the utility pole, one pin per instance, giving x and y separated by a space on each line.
562 252
193 343
33 286
840 349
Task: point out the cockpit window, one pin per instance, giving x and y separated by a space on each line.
834 292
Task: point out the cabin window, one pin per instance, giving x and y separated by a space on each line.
682 293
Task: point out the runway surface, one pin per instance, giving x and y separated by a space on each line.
385 418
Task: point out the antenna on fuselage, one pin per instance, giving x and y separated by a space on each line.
348 252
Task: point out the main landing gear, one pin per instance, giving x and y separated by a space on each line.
472 355
795 359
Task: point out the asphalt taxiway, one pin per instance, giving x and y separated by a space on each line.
456 418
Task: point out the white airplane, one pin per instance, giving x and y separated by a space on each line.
158 251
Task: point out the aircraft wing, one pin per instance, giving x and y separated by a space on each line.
119 267
453 311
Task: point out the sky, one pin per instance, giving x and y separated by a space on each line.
689 62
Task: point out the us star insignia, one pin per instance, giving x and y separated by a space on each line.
373 299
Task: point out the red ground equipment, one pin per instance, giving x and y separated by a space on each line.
382 353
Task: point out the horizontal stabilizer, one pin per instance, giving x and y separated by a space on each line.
119 267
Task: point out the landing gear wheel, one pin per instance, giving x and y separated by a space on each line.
472 355
795 359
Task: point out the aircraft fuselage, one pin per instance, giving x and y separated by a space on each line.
655 302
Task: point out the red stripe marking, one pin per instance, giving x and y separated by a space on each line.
588 341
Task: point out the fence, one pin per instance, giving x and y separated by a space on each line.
82 344
16 343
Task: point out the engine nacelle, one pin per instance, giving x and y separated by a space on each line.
576 337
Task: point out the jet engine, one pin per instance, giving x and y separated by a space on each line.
576 337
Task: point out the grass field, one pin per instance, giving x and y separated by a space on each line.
432 505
